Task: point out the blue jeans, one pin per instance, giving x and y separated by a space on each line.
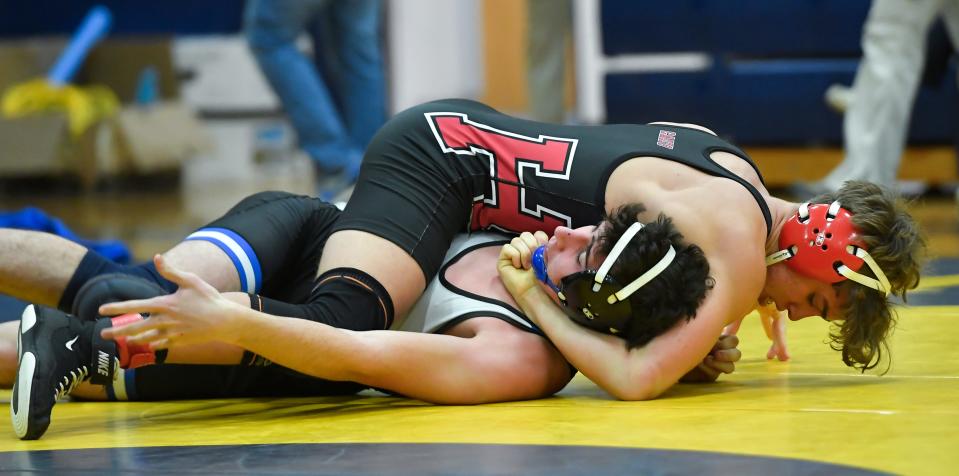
338 102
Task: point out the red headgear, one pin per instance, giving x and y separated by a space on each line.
821 242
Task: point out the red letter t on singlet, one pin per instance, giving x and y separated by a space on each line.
510 156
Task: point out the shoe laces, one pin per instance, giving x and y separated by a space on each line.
70 381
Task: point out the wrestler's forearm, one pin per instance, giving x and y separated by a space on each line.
305 346
602 358
308 347
431 367
640 373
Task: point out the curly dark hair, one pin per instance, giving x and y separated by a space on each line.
673 295
894 240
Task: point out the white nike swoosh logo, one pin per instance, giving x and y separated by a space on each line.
71 341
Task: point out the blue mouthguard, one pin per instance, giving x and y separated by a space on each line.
539 268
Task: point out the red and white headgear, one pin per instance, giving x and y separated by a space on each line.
821 242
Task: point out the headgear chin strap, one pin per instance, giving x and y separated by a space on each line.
821 242
593 298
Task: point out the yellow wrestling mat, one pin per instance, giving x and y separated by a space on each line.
811 408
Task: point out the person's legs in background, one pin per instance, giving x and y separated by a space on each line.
950 17
876 122
549 25
272 28
355 68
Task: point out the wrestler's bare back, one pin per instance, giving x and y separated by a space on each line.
716 213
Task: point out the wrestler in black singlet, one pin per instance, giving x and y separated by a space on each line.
280 236
453 165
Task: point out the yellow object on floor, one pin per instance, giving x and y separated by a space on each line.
84 106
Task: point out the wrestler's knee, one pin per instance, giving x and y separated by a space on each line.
354 293
346 298
94 265
384 262
110 288
208 261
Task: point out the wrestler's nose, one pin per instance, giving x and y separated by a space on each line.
566 237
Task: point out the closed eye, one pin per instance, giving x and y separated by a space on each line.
587 252
823 311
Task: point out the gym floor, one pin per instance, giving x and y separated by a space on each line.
811 415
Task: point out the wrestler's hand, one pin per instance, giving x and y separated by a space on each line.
195 313
516 262
733 328
523 247
720 360
775 327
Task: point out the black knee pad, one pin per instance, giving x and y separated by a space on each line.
355 295
109 288
344 297
93 265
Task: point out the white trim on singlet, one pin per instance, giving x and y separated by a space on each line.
243 261
443 305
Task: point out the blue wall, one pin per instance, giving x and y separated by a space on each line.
23 18
772 62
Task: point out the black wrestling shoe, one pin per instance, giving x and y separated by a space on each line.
54 351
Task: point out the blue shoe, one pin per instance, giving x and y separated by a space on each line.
331 185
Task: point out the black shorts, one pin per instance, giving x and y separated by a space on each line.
409 193
275 240
454 165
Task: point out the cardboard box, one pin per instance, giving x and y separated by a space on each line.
220 76
138 140
119 63
159 137
33 145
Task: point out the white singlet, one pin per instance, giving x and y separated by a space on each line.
443 304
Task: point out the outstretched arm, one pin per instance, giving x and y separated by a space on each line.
495 364
775 327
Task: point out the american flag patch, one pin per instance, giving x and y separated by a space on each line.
666 139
